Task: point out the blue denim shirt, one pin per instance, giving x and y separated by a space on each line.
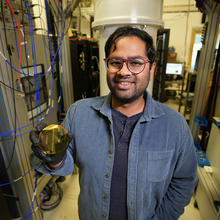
161 160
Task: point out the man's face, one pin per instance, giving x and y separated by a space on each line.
125 86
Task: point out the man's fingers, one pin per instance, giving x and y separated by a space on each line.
40 154
40 126
34 137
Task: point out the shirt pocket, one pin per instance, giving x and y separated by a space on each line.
159 165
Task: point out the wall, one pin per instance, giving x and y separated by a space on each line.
83 16
181 17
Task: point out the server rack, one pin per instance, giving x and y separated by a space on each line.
85 69
161 59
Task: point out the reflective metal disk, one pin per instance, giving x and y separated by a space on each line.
54 139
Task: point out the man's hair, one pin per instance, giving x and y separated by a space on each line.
131 31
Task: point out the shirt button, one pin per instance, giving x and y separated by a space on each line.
107 175
105 197
110 151
103 215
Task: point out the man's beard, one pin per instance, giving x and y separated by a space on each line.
126 98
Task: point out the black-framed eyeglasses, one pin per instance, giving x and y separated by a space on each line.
135 65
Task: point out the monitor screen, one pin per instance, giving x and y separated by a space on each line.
174 68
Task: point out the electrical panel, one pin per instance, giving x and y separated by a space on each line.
28 94
19 9
28 13
35 100
31 78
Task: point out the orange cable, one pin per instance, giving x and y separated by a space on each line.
19 34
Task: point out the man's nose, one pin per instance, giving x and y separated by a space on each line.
124 70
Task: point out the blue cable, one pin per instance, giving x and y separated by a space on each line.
38 100
33 55
35 68
62 32
61 64
60 40
17 46
7 133
37 206
45 52
34 59
58 48
14 181
23 199
26 74
61 80
52 109
51 52
60 14
44 44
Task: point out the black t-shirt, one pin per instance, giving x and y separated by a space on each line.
122 128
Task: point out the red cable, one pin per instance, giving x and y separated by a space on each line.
19 34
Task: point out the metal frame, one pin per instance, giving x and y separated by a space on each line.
24 187
205 64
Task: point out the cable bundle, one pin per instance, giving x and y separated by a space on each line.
22 46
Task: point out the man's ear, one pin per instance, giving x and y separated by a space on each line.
152 70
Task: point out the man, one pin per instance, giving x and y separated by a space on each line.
135 156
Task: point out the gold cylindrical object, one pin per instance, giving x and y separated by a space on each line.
54 139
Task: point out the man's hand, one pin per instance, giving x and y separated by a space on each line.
53 160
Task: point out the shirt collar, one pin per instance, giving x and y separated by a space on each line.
152 108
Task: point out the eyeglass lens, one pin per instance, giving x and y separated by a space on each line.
134 65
